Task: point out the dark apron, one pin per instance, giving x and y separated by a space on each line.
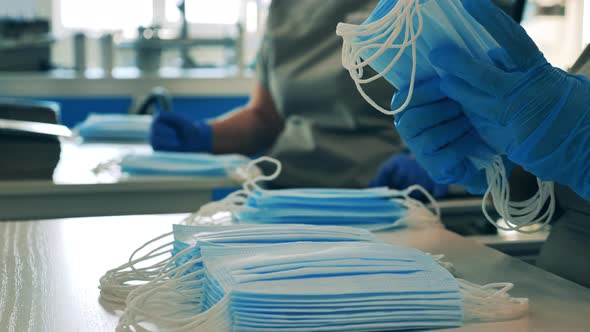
566 251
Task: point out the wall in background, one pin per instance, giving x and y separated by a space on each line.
561 37
62 51
557 28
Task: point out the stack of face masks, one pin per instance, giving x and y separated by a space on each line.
186 246
260 279
374 209
371 208
329 287
396 40
116 127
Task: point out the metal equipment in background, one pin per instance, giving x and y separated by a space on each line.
149 45
185 57
25 44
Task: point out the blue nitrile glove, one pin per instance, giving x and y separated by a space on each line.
402 170
441 137
536 114
175 132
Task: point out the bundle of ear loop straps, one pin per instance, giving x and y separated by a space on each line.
405 21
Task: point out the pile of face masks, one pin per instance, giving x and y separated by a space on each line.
300 278
115 127
327 287
187 242
396 40
374 209
377 208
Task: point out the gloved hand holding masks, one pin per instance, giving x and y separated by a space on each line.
441 137
536 114
175 132
402 170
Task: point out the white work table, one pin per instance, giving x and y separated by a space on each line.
76 191
49 271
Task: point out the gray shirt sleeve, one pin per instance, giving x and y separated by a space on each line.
262 69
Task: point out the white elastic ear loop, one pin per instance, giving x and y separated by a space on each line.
118 282
356 63
350 58
517 215
418 214
490 302
356 71
170 295
243 172
390 26
357 67
252 185
205 214
353 49
410 90
172 303
215 319
433 203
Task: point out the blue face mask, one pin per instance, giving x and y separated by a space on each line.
115 127
181 164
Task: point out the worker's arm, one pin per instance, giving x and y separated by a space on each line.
249 129
246 130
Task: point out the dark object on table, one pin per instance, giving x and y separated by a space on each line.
25 155
25 44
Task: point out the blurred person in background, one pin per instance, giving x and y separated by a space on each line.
305 110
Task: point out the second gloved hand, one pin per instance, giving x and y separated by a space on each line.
402 171
441 137
536 114
176 132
